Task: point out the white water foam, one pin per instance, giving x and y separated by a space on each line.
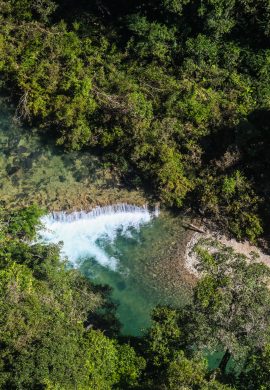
80 231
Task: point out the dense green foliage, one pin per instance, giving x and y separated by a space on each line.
231 302
228 315
47 336
176 92
52 320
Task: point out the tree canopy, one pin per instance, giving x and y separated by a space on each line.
47 336
58 330
168 90
176 94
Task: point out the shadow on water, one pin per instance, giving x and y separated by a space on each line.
149 271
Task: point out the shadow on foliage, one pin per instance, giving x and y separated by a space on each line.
244 148
104 318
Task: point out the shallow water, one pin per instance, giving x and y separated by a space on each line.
134 253
140 258
32 169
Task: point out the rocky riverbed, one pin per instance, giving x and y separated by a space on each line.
33 170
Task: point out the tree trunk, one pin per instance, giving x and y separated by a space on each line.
224 361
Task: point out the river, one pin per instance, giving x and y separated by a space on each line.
138 254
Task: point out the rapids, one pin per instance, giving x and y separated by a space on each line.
135 251
81 231
132 249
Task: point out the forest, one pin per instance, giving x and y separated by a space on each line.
175 95
59 331
174 92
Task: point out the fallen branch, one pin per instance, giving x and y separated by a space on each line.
190 226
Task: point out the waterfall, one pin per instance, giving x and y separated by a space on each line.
85 234
63 216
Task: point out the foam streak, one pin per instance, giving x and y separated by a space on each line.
81 231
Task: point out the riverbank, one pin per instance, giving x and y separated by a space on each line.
132 250
244 247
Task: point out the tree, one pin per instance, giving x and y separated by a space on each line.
170 363
23 223
233 201
184 373
256 373
231 303
47 336
159 88
162 339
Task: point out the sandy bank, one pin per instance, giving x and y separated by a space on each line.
244 247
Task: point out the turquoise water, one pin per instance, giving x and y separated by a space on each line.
33 170
146 275
149 268
138 255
